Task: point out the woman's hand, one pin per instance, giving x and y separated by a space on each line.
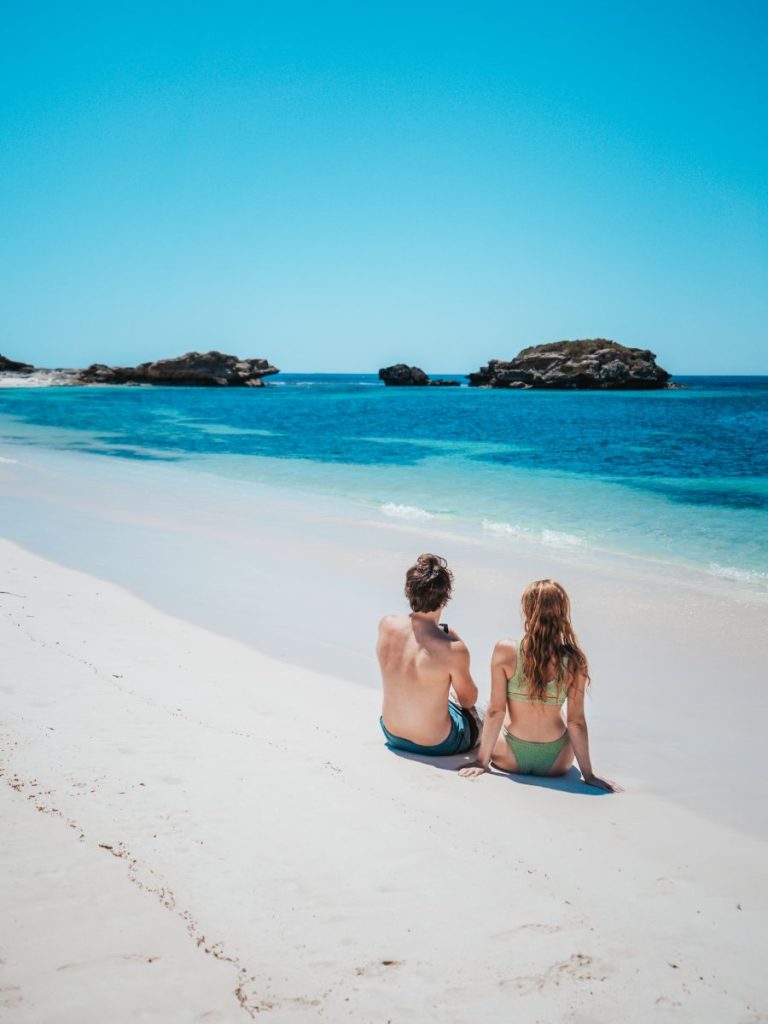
598 783
471 771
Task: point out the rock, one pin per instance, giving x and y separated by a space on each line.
203 369
595 363
401 375
11 366
99 373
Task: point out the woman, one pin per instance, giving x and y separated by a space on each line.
530 682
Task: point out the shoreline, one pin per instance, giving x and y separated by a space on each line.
257 566
228 843
192 473
601 473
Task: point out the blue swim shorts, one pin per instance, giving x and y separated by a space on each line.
462 737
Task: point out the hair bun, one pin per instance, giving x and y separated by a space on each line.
433 564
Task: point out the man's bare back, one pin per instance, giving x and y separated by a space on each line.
419 664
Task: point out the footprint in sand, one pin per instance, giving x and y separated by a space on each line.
666 1002
10 996
578 967
375 967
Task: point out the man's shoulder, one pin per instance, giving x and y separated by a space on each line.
458 649
391 623
449 642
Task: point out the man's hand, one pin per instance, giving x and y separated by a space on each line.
598 783
471 771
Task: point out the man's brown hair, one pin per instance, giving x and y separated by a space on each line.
428 583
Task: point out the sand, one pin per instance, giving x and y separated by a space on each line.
197 829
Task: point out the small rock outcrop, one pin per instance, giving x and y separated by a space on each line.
594 363
400 375
203 369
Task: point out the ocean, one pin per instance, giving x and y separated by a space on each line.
678 476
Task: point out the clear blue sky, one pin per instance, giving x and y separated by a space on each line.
340 186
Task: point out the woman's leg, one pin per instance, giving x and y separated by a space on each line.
502 756
564 760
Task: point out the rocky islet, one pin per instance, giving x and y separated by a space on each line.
402 375
205 369
589 364
195 369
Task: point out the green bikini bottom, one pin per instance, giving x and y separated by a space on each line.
534 758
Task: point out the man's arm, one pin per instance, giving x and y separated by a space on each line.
461 677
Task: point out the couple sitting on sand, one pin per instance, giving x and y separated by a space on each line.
424 663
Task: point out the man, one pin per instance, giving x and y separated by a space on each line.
421 660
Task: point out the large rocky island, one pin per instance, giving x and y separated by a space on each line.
594 363
200 369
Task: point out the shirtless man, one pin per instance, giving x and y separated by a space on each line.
420 661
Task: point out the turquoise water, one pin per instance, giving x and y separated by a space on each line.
679 476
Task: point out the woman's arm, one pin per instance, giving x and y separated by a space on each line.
579 736
497 707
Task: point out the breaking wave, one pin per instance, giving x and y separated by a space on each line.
552 538
405 511
730 572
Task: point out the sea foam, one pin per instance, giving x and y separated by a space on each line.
405 511
558 539
552 538
730 572
509 528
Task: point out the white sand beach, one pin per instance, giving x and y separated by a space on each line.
201 823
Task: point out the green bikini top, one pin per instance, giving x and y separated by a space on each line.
518 687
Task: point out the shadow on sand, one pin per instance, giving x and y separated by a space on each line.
568 783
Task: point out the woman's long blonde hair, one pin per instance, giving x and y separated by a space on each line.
548 637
